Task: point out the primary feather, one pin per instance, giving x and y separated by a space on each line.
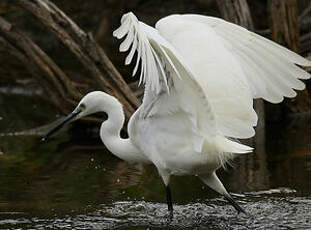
170 84
205 72
269 67
234 66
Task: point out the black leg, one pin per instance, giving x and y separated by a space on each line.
234 204
169 200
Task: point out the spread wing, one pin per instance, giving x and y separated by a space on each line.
233 66
270 68
170 86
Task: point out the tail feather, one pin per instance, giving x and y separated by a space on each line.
229 146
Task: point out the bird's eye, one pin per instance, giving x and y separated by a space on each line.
82 107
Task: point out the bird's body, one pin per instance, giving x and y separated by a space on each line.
201 75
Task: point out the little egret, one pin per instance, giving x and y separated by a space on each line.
201 75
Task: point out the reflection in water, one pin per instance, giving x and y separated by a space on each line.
70 183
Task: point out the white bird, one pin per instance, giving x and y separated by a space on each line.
201 75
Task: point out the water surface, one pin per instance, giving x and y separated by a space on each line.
73 182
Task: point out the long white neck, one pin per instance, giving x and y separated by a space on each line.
110 134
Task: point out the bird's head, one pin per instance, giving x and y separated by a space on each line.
91 103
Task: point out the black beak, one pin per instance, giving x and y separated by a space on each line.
61 124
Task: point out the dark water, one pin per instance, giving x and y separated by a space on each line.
73 183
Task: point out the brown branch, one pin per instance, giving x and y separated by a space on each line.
83 46
236 11
5 46
305 43
47 73
57 72
285 30
137 89
305 13
284 23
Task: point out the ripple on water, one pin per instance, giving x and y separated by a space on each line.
266 213
281 190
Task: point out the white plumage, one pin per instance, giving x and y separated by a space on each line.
201 75
231 65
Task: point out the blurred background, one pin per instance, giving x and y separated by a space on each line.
287 22
73 182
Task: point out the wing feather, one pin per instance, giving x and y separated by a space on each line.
170 86
215 76
270 68
216 70
137 38
233 66
239 34
131 54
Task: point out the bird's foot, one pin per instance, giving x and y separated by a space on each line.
169 203
169 216
235 204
